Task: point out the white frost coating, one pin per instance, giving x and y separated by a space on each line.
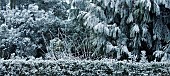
99 0
130 18
75 4
68 1
91 21
165 2
112 3
92 6
117 6
156 8
26 39
158 54
109 47
33 7
124 49
3 27
148 4
86 16
106 2
128 2
49 0
143 58
111 29
106 31
8 6
166 58
136 28
144 29
142 1
116 30
99 28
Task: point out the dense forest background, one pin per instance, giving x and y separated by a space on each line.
133 30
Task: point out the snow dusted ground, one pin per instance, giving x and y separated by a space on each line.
76 67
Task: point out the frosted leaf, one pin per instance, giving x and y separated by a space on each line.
111 29
136 2
33 70
143 58
101 41
164 58
163 1
158 54
106 31
156 9
146 17
122 13
33 7
128 2
166 48
81 15
90 7
158 28
3 28
134 30
98 41
76 4
68 1
148 4
86 16
144 29
167 4
117 29
166 33
115 32
130 19
73 13
12 56
112 4
91 21
99 0
94 42
142 1
106 2
115 25
8 6
117 6
124 49
99 28
109 47
56 44
26 39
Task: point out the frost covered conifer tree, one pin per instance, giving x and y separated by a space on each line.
123 26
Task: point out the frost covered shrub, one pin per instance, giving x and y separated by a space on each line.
28 32
37 66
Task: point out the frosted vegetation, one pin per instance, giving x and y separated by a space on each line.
87 29
130 30
76 67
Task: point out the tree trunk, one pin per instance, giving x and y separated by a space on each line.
12 4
